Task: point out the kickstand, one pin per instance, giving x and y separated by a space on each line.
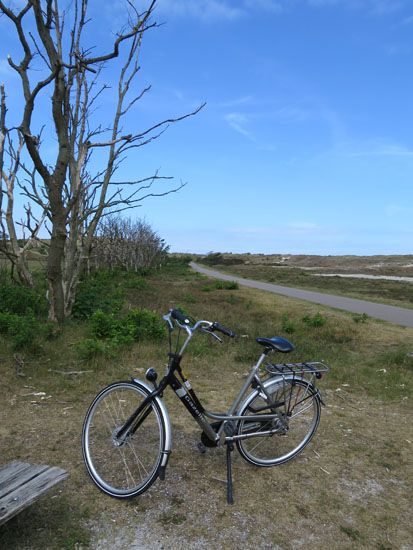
230 497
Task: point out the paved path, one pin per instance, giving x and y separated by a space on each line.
396 315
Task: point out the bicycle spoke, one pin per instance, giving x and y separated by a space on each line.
126 466
298 420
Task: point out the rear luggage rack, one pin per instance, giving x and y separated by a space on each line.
314 368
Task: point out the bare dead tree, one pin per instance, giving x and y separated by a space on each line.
128 244
72 196
10 246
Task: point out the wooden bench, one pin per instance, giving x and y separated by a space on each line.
22 483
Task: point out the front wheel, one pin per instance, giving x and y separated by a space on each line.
297 406
123 465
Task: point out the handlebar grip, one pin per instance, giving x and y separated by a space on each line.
179 316
224 330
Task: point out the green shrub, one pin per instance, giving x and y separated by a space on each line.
212 258
90 348
25 332
286 324
144 324
137 283
360 318
221 285
316 320
103 324
111 333
98 292
22 300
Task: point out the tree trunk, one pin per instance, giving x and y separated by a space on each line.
54 272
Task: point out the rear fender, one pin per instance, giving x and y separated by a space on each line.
270 382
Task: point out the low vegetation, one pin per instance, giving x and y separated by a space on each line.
308 272
349 489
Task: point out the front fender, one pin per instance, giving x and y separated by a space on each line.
165 414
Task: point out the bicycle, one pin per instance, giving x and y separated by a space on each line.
127 436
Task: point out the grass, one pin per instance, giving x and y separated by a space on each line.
348 489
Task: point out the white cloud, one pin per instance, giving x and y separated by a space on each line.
383 7
238 122
272 6
212 10
293 114
236 102
377 7
230 10
375 148
205 10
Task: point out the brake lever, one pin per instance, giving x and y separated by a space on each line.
212 334
167 319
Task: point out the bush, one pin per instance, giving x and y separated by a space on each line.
360 318
217 258
138 324
90 348
145 324
103 325
97 292
25 332
316 320
221 285
21 300
137 283
286 324
212 258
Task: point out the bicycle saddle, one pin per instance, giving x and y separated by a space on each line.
276 343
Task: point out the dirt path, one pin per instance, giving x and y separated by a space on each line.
396 315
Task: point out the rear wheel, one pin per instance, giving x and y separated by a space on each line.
123 465
297 406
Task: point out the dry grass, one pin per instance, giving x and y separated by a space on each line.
349 489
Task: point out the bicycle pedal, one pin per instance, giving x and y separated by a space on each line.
201 448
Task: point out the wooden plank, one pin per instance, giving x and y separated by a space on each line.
24 494
17 473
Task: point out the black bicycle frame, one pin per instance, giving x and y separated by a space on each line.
187 395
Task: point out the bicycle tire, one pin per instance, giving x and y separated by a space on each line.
300 415
128 469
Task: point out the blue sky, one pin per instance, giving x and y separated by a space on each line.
306 142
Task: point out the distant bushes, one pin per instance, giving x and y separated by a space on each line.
221 285
217 258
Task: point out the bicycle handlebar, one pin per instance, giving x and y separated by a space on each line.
185 320
224 330
180 317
